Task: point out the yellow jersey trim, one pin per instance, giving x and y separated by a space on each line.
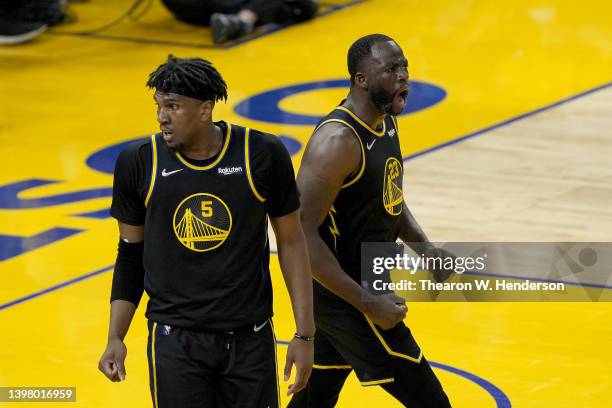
333 228
363 156
377 382
386 346
332 367
247 163
213 164
153 170
154 365
362 123
394 119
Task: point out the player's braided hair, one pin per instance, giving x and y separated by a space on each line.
362 49
193 77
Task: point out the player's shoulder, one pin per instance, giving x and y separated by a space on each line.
335 135
137 147
138 150
264 142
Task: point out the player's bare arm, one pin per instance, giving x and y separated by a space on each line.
295 265
112 362
332 155
410 231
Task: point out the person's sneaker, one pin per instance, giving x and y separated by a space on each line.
226 27
49 12
16 32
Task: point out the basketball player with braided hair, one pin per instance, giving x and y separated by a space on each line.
193 203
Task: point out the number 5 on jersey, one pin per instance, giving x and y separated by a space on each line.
207 210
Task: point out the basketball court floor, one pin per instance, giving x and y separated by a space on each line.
507 137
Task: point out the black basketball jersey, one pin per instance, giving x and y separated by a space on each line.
369 204
206 244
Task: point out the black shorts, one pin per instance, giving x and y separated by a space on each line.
346 338
213 369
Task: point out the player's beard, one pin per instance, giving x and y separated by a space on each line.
382 99
175 147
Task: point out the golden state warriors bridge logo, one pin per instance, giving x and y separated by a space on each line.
392 187
202 222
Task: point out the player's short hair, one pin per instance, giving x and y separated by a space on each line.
362 49
193 77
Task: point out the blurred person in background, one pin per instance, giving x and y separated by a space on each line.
23 20
231 19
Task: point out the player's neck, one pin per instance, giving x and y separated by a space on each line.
364 108
207 144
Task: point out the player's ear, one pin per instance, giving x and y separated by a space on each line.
206 109
361 80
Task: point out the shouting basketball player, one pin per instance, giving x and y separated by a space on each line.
350 181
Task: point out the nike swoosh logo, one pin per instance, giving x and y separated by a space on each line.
169 173
257 328
369 145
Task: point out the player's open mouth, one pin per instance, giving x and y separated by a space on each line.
403 94
400 98
167 135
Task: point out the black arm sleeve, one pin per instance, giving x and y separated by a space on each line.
128 277
130 183
273 174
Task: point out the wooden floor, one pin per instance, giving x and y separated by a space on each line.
510 140
541 178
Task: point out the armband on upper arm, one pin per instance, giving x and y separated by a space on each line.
128 277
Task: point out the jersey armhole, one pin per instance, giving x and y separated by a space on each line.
357 176
247 164
153 170
394 120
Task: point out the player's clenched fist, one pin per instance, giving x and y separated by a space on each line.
112 362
